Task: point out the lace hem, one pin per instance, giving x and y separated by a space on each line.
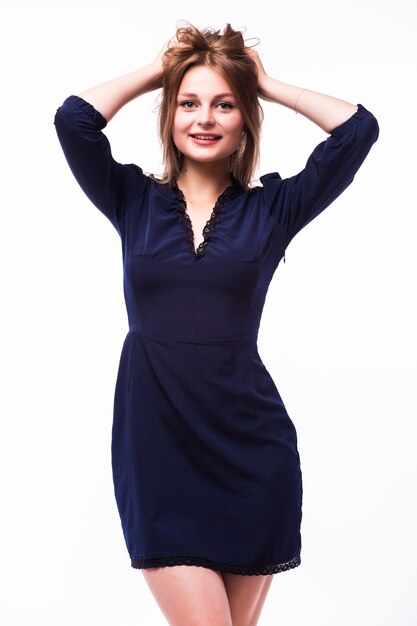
211 222
259 570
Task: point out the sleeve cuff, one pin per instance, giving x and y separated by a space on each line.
76 102
347 126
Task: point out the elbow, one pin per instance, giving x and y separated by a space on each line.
371 130
376 129
62 118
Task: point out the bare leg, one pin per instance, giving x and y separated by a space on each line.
246 595
190 595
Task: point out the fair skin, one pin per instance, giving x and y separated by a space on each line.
189 595
208 128
192 595
205 173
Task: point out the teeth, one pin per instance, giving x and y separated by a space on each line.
205 137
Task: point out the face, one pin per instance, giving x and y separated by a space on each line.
208 124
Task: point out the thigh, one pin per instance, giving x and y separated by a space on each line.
189 595
246 595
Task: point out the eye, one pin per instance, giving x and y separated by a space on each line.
226 106
187 104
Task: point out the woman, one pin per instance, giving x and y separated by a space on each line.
205 462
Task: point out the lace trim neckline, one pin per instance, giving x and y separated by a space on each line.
217 210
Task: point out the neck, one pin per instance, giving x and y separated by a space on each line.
204 179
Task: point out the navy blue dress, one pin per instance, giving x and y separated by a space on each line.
204 455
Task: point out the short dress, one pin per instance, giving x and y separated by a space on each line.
204 454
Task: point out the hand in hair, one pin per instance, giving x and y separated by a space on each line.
262 76
168 45
325 111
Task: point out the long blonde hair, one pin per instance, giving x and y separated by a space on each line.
224 52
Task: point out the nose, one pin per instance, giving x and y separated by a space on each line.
206 116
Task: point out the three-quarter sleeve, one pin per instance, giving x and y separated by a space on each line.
331 167
108 184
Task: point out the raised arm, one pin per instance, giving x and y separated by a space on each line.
332 165
109 97
325 111
79 123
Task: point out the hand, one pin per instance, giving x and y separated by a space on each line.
164 48
157 63
171 43
262 75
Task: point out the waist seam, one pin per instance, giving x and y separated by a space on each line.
198 339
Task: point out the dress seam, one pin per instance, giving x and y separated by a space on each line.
245 338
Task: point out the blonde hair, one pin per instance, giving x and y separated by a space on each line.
224 52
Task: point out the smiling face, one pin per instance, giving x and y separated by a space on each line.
208 124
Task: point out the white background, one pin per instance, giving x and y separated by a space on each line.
337 335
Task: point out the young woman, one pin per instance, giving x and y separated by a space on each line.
205 463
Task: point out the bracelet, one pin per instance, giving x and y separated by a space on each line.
296 102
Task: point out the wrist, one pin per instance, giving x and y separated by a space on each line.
153 73
266 88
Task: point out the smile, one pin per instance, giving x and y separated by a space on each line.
206 136
205 140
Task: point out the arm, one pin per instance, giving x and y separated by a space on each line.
331 166
325 111
109 97
79 123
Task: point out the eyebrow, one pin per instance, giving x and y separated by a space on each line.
226 94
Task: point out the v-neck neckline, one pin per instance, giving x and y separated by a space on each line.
217 210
